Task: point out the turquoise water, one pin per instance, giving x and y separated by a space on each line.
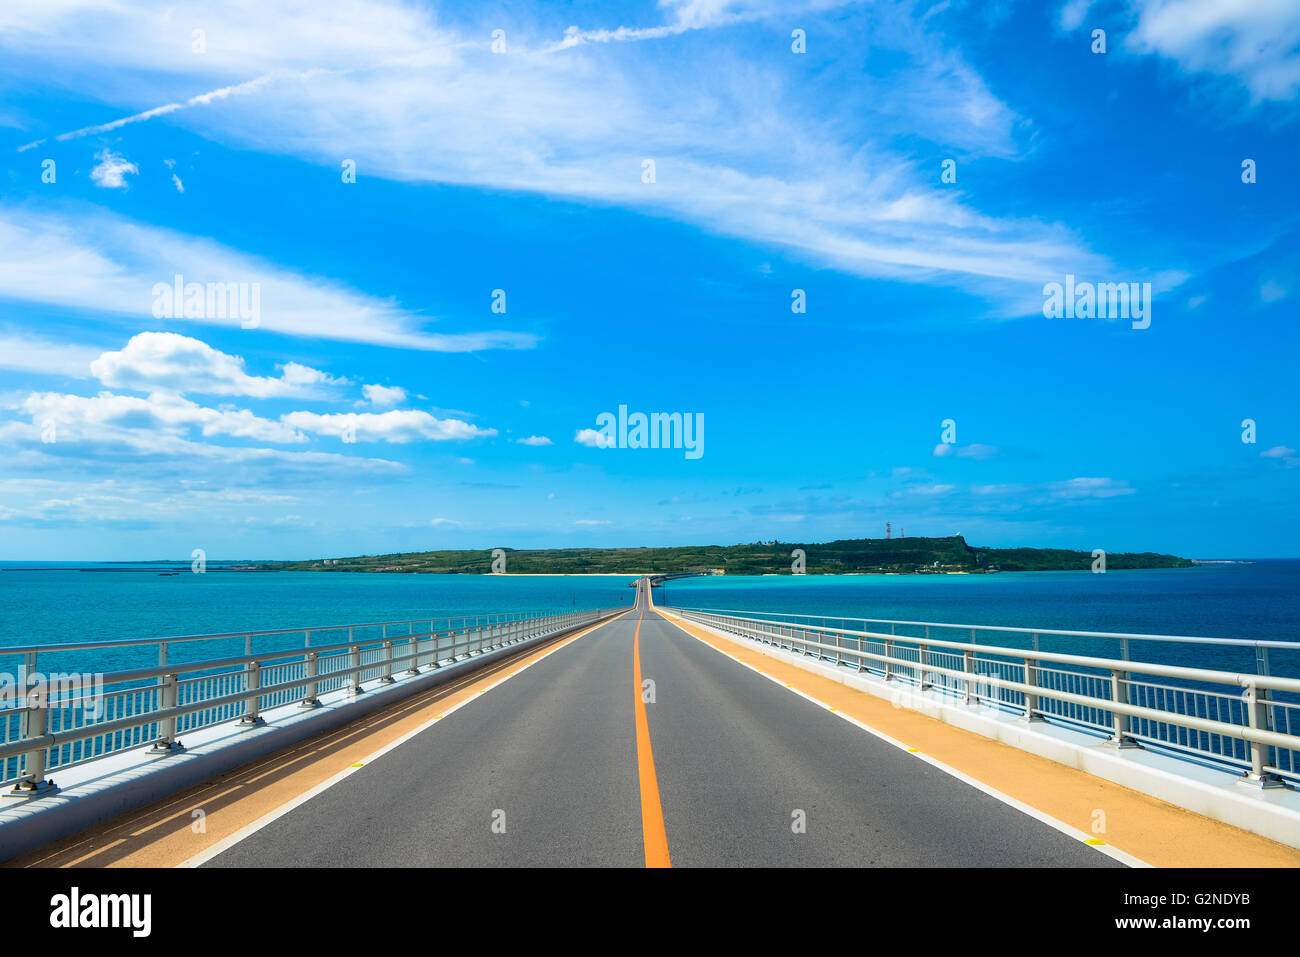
53 606
1260 600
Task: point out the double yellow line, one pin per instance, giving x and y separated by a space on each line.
652 812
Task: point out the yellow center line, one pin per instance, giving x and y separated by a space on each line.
652 812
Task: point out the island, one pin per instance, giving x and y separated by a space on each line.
916 556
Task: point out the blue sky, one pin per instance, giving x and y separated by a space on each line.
219 154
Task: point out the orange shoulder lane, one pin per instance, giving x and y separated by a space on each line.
1147 828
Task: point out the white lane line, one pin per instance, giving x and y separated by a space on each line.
1082 836
249 829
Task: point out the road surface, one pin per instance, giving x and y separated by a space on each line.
575 762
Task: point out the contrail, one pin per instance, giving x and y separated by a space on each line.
201 99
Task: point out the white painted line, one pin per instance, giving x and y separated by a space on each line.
231 840
1111 852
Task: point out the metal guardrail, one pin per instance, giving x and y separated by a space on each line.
1260 644
60 722
1183 710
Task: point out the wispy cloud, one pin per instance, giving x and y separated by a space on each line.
102 263
973 451
29 354
733 152
406 425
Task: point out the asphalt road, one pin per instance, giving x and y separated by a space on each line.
545 770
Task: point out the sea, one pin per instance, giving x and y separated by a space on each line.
53 603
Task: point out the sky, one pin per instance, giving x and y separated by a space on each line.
822 231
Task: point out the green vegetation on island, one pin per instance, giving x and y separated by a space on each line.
847 556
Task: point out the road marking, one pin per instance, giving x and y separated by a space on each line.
1101 846
652 813
250 829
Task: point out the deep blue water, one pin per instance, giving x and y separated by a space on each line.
1251 601
1259 600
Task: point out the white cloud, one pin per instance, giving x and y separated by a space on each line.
399 426
78 418
591 438
1278 452
169 362
1255 41
535 440
180 187
383 396
95 261
112 169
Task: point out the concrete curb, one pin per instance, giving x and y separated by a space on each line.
121 782
1273 813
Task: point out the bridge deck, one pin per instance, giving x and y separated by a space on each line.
546 748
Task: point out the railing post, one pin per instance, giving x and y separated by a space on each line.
388 658
922 659
1031 698
252 682
354 661
889 658
34 725
167 691
968 666
1257 712
1119 736
310 701
413 667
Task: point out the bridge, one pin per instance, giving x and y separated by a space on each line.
652 736
657 580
